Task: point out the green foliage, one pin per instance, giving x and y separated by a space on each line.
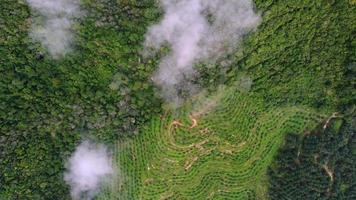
230 147
301 57
47 106
320 165
298 65
302 53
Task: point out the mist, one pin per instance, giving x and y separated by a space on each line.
88 169
52 25
196 31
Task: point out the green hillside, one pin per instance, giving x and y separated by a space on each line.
221 154
288 77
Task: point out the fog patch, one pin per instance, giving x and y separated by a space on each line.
196 31
52 26
87 169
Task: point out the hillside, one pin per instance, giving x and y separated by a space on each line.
232 140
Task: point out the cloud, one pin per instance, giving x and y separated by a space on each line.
54 26
87 169
196 31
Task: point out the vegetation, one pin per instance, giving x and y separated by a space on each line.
220 154
291 74
100 90
272 85
303 53
318 165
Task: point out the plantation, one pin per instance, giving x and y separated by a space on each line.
223 156
261 106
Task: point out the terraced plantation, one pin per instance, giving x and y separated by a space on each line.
220 154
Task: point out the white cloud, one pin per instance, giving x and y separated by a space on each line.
88 167
197 30
54 28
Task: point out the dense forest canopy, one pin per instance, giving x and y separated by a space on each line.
318 165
